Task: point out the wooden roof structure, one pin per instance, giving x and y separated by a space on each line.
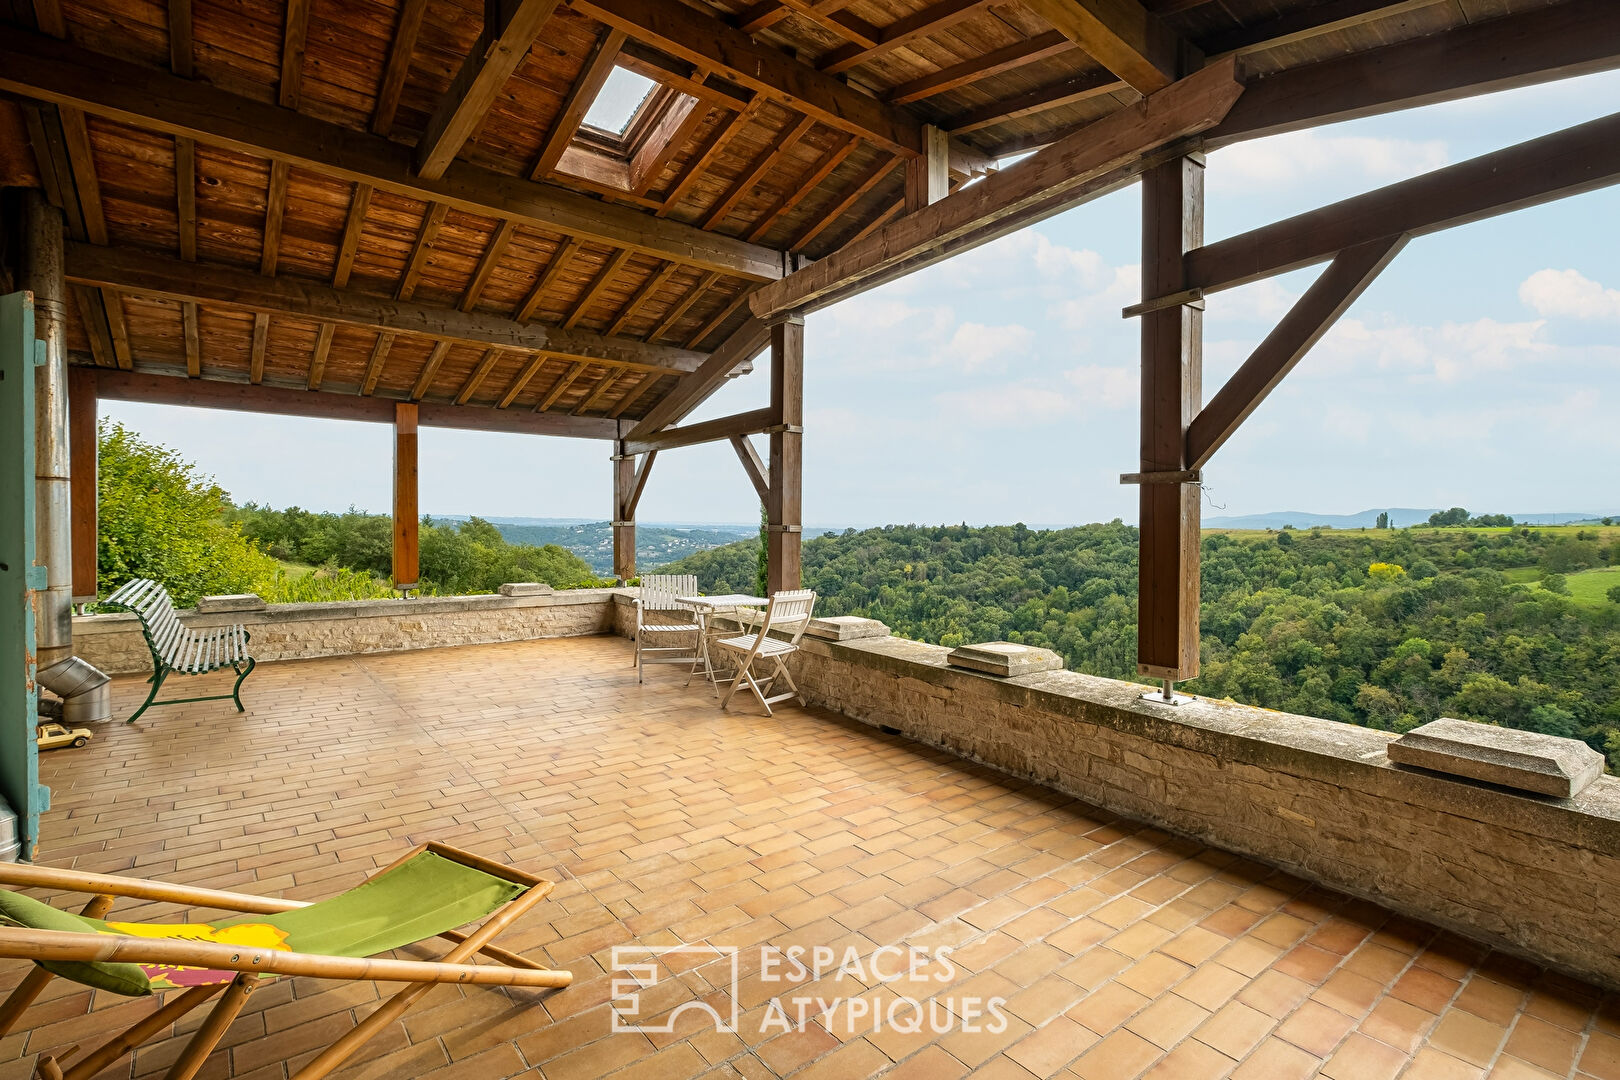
399 200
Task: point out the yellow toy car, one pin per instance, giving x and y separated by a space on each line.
51 736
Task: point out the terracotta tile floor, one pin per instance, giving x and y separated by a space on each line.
1084 945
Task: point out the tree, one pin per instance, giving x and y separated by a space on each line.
1614 594
1449 518
1383 520
161 519
762 577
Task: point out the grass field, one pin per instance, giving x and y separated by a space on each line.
1592 587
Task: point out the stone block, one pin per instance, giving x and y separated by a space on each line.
1524 760
526 588
231 602
1005 658
846 628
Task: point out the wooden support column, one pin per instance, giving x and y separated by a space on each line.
83 408
1172 391
624 519
784 503
928 177
407 512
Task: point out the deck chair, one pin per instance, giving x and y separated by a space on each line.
787 613
428 892
660 593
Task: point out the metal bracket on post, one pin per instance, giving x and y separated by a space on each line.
1167 695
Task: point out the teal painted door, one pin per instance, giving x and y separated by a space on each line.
19 577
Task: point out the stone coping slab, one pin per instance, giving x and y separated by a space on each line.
526 588
1526 760
231 602
1005 658
846 628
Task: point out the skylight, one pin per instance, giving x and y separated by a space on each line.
617 102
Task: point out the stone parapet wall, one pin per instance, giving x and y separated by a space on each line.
1529 874
298 631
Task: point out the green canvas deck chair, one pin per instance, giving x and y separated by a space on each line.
429 892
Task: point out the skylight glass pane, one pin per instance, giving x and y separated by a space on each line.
615 106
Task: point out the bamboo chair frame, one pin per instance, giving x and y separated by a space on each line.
420 976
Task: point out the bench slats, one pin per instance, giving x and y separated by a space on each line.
180 648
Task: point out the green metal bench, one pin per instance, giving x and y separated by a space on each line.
179 650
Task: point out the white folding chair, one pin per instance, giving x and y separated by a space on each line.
660 593
788 613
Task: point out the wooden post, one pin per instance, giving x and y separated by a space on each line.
784 506
624 513
1172 391
82 453
928 177
407 513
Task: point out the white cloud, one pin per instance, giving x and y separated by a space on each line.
1101 307
1017 404
1569 293
975 346
1111 387
1300 156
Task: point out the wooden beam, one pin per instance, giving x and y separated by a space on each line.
491 357
1546 42
275 207
40 67
633 394
753 467
353 226
1172 374
317 360
664 142
784 510
1066 91
560 387
716 430
399 65
510 27
407 508
813 179
193 339
643 473
114 305
180 47
82 169
486 264
698 165
928 176
261 331
430 371
166 278
716 46
47 15
592 399
1121 35
185 189
1186 108
597 67
903 31
1568 162
332 405
82 458
93 315
432 221
856 191
559 262
609 271
521 380
991 63
379 357
719 318
654 281
744 342
1345 279
762 165
1302 24
293 37
678 309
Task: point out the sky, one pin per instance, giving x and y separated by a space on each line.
1481 369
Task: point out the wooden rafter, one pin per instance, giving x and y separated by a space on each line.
475 379
354 225
430 370
331 405
1120 139
981 67
863 184
317 360
744 342
185 195
707 41
180 46
374 365
119 329
763 164
509 30
521 379
47 16
1568 162
560 387
633 394
294 33
40 67
679 308
719 318
94 320
930 20
813 179
669 139
400 49
261 330
654 281
81 158
598 66
1068 91
609 271
559 262
727 127
432 222
1305 23
193 339
590 400
146 274
486 264
275 207
1121 35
